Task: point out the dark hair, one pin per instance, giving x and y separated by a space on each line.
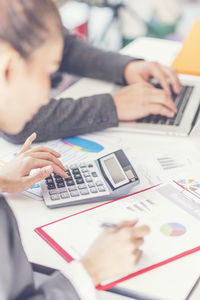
26 24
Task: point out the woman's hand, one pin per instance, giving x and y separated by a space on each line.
116 252
143 71
15 176
142 99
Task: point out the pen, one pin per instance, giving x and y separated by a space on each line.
110 225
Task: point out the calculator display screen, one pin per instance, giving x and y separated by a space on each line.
114 170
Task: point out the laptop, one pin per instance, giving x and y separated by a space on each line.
185 122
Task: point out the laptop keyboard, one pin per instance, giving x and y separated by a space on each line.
180 100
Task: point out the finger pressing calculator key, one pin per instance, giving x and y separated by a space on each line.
109 177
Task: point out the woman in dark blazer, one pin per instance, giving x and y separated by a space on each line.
31 46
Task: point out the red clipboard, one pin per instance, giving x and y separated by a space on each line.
69 258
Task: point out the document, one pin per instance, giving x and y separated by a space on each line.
167 162
174 231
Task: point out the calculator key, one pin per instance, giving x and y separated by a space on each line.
76 171
56 175
60 184
86 174
74 166
94 174
72 188
74 194
91 184
79 181
68 172
101 188
82 186
65 195
51 186
59 179
84 192
53 192
90 166
70 182
69 178
62 190
77 176
99 183
49 180
93 190
84 170
82 165
134 179
88 179
55 197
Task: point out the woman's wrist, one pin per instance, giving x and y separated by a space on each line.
92 271
1 182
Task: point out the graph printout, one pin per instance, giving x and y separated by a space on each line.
174 231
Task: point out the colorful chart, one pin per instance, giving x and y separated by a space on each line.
190 184
2 163
83 144
141 206
173 229
36 186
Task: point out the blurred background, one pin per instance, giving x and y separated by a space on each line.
112 24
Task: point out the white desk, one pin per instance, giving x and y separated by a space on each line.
170 282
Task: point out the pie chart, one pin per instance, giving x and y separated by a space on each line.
173 229
83 144
190 184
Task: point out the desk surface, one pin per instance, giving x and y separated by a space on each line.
171 282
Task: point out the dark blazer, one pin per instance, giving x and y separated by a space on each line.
67 117
16 276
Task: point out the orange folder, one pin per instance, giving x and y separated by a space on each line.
188 59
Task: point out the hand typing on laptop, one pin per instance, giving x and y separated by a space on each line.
140 98
143 71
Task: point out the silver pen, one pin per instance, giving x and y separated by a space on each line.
110 225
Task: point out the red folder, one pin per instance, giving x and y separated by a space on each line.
69 258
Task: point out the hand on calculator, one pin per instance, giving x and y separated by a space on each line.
15 176
107 178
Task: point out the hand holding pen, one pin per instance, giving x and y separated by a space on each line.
116 252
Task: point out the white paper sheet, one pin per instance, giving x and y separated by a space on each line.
173 230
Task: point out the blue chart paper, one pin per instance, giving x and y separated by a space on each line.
83 144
